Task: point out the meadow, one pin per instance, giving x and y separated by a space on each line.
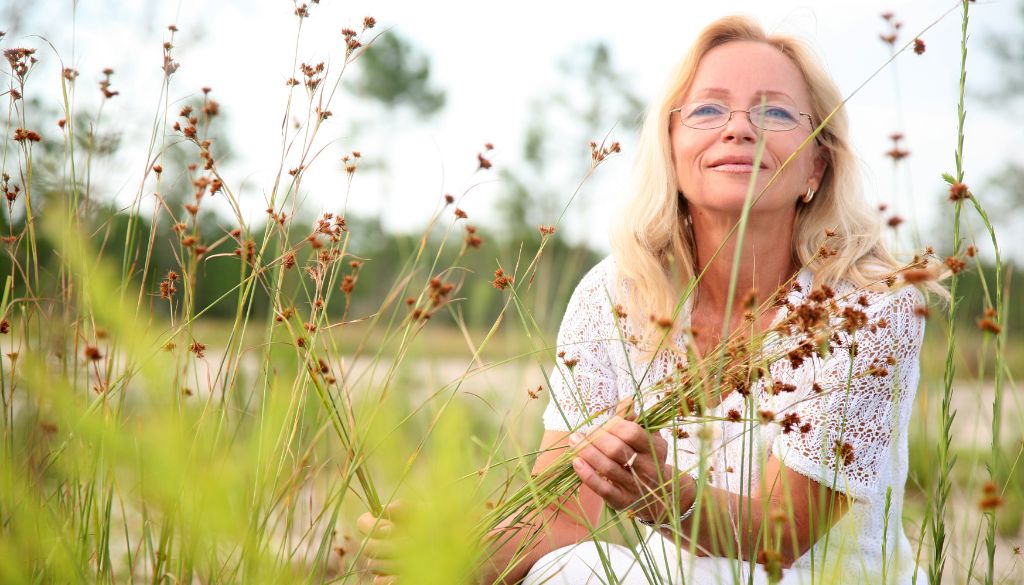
192 396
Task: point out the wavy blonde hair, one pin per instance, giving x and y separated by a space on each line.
653 246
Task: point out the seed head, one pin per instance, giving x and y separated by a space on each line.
990 499
989 323
844 451
919 46
958 192
198 348
897 154
955 264
483 162
502 280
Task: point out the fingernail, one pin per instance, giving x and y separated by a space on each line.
575 438
577 463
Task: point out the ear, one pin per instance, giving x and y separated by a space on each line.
820 163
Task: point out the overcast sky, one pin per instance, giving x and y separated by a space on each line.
492 59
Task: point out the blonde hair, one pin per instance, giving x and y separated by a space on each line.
652 245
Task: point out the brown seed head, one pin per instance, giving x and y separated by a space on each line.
958 192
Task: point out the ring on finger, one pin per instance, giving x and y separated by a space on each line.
629 464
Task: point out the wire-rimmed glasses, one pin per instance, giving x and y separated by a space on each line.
770 117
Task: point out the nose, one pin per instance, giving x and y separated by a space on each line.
739 128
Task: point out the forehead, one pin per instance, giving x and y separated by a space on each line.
746 70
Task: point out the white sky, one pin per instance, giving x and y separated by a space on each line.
492 58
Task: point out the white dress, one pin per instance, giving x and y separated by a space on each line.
853 436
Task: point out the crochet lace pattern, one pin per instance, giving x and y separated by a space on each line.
848 413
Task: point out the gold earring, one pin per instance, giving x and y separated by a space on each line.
808 196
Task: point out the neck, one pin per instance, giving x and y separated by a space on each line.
765 260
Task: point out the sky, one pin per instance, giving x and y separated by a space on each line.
494 60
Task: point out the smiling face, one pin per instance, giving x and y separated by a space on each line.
713 166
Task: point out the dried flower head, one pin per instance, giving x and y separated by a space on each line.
502 280
989 322
958 192
482 161
990 499
955 264
198 348
844 452
919 46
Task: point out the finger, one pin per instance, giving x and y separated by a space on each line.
600 486
370 525
604 464
379 548
396 510
384 580
637 438
625 409
610 443
381 567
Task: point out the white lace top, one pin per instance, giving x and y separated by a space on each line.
851 433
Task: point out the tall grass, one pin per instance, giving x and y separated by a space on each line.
146 440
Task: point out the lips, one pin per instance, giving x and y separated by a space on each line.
735 164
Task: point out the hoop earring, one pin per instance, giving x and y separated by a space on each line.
808 196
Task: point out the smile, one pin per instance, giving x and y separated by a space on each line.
735 168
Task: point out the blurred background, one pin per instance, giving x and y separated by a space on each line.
495 104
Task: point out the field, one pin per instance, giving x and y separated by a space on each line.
190 395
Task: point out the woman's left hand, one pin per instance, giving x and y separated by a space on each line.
625 464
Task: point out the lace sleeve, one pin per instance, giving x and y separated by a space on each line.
582 382
854 426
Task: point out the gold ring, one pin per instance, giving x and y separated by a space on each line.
629 464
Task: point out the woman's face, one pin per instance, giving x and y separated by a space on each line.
713 167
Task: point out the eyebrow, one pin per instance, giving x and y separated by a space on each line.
722 92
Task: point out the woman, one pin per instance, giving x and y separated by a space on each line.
816 485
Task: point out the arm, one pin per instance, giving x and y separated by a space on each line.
552 528
792 509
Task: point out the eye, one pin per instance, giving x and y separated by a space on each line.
778 113
707 110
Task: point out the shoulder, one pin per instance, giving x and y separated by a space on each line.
895 314
599 282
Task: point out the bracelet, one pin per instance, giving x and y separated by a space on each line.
665 525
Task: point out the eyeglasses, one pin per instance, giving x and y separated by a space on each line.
770 117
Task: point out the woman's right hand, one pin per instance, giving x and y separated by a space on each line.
379 549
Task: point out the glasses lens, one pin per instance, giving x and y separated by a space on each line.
774 117
704 116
